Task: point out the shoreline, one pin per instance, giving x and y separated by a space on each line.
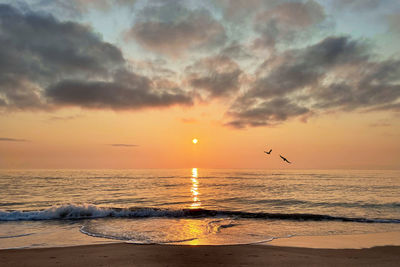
350 241
123 254
75 238
375 249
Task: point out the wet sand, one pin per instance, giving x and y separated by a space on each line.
340 241
123 254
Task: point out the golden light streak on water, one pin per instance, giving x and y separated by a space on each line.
195 189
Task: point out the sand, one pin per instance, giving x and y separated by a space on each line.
340 241
123 254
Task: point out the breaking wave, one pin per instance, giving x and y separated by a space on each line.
79 212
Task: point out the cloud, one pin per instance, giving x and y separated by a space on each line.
391 107
337 73
123 145
85 5
266 113
64 118
69 9
286 21
378 87
380 124
357 4
236 50
19 92
394 23
171 29
295 14
298 68
127 91
36 50
46 64
153 68
5 139
219 76
241 10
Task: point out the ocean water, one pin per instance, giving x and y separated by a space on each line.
46 208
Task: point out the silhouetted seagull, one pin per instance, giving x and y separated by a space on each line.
269 152
284 159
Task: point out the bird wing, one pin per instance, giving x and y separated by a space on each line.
284 159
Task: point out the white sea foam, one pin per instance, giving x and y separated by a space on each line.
87 211
60 212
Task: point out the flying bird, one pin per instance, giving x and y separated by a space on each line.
284 159
269 152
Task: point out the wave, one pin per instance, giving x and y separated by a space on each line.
79 212
14 236
327 204
133 240
217 225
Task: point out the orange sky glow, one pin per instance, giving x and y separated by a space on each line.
164 140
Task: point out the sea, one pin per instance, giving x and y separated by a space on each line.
52 208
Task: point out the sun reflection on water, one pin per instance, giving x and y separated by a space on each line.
195 189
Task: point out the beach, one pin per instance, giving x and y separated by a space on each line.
199 218
199 133
123 254
379 249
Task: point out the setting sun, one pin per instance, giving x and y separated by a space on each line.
195 141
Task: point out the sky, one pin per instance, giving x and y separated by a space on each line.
129 84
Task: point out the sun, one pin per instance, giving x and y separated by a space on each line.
195 141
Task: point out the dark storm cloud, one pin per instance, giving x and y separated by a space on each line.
45 63
335 74
5 139
172 29
219 76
